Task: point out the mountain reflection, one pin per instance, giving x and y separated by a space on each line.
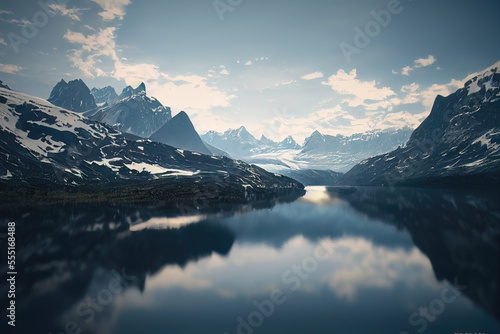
62 249
195 273
459 231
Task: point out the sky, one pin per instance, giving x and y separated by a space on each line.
278 67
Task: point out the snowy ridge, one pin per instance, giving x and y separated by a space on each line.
41 145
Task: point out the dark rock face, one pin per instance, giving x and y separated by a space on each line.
458 143
73 95
179 132
134 113
104 96
457 230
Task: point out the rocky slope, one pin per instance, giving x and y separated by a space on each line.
458 143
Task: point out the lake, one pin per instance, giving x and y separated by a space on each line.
372 261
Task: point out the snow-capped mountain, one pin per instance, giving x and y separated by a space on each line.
341 153
267 142
104 96
134 113
459 142
238 143
45 146
288 144
179 132
320 152
130 91
73 95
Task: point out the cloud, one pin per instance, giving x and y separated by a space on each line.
424 62
3 42
364 93
22 22
406 70
72 13
419 63
249 63
93 47
10 69
181 92
2 11
223 70
112 8
312 76
429 94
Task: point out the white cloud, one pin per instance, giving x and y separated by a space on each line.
395 72
72 13
192 93
249 63
312 76
112 8
406 70
364 93
419 63
429 94
424 62
93 47
223 70
3 42
21 23
10 69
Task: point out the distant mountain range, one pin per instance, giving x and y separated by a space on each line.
458 143
48 148
320 152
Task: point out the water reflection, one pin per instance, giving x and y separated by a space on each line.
384 254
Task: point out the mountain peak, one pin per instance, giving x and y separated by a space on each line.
130 91
141 88
73 95
179 132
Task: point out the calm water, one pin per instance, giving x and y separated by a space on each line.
375 261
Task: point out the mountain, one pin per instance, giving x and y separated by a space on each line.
341 153
288 144
238 143
104 96
179 132
49 151
134 113
459 142
320 152
4 86
264 141
73 95
130 91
